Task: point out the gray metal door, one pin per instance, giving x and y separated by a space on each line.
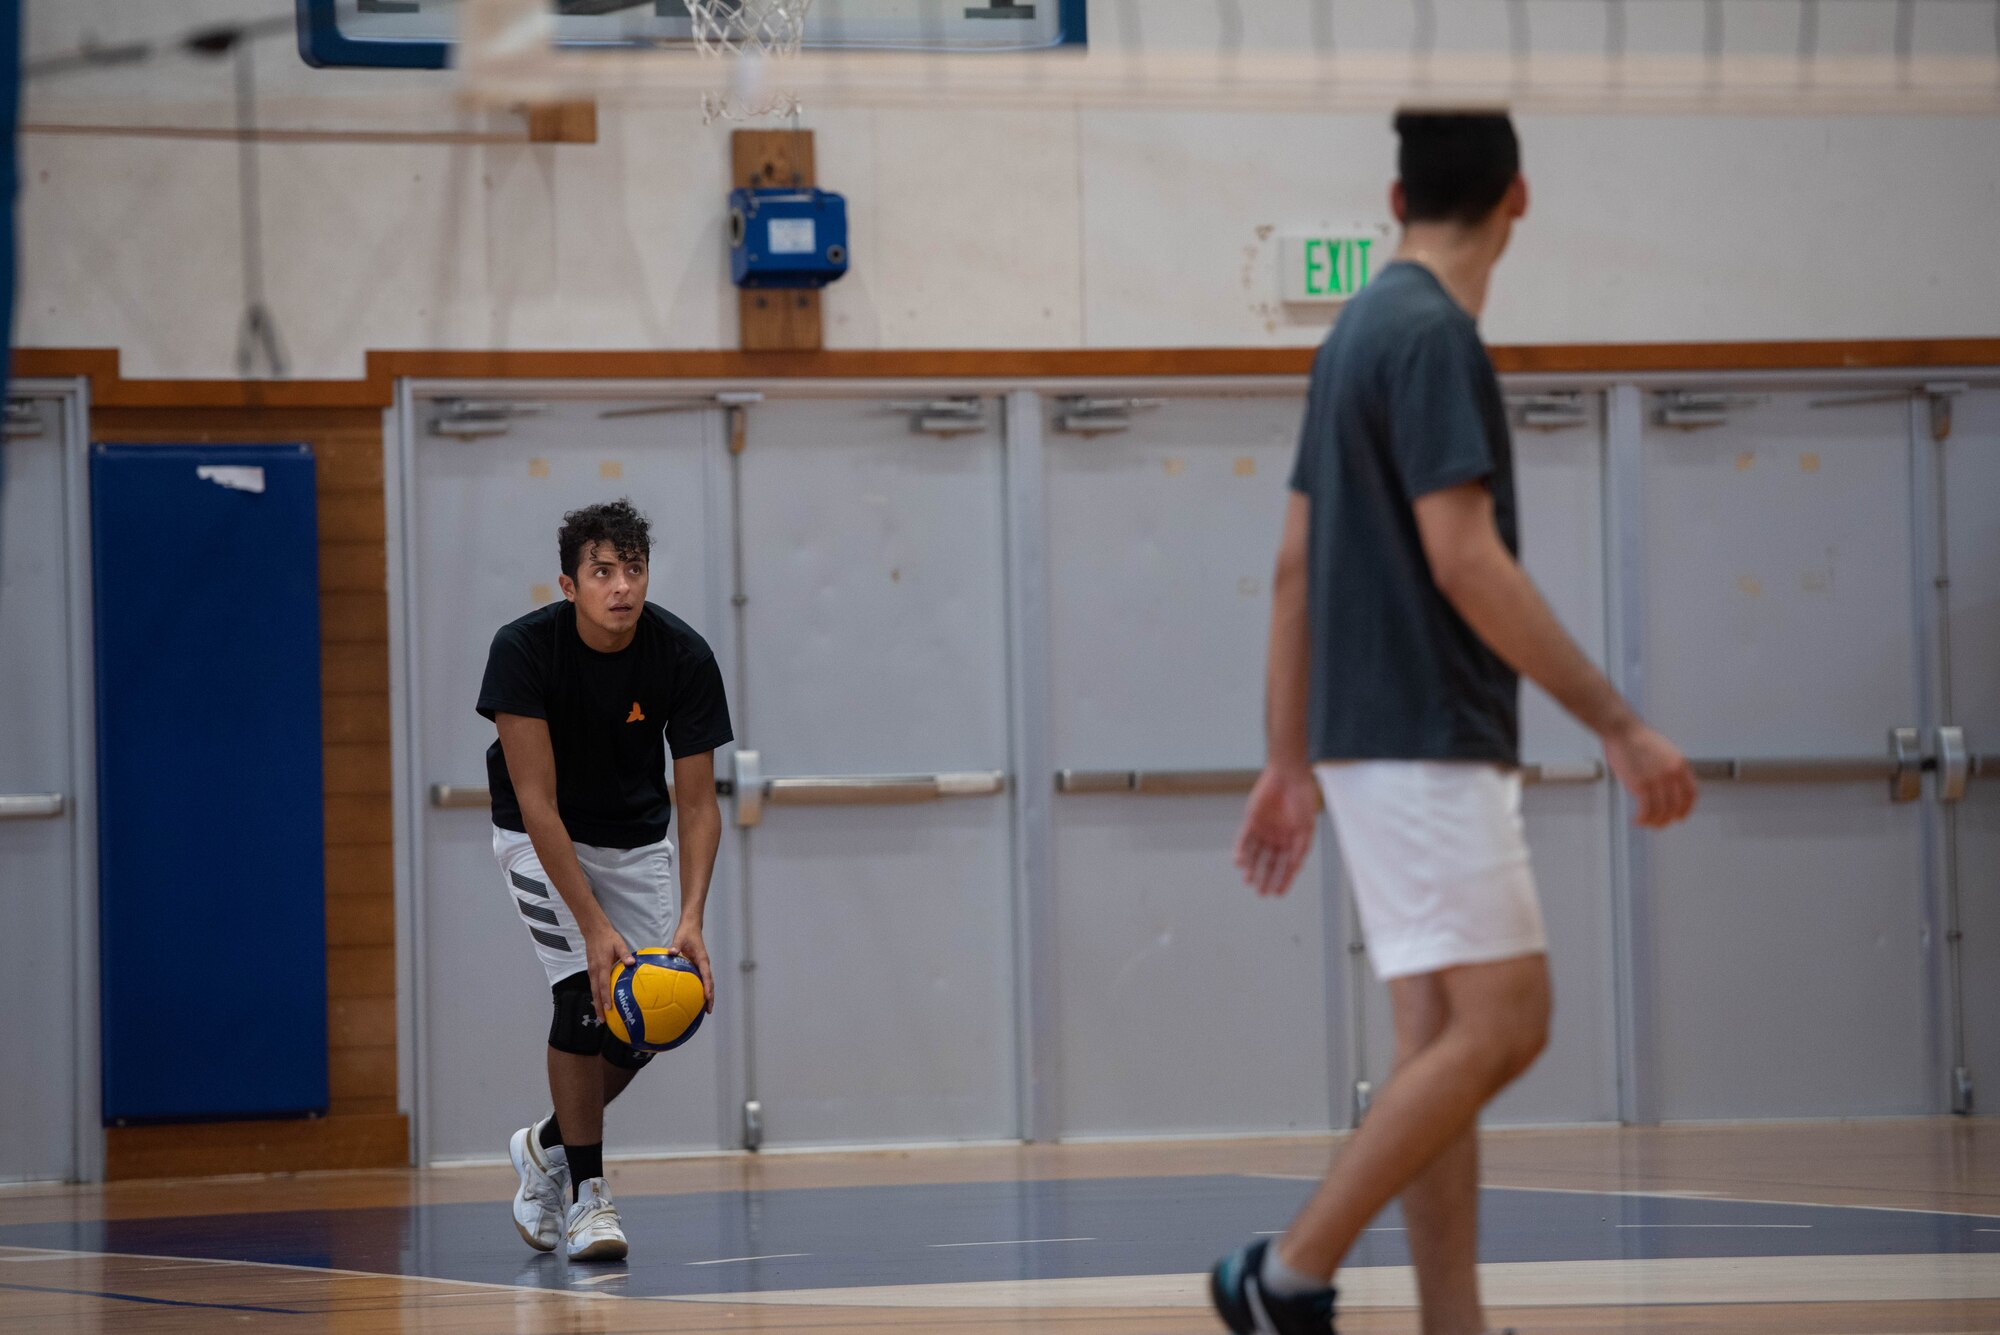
488 485
1784 925
1559 457
38 884
1187 1005
874 741
1970 701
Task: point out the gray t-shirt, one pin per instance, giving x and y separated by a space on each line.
1403 402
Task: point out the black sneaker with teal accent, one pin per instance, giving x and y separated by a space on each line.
1236 1287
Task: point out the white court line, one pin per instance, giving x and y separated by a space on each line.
58 1254
1726 1198
1715 1225
1011 1242
735 1260
1721 1196
1279 1232
1663 1282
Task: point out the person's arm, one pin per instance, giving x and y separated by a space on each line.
1283 810
1481 579
531 764
701 834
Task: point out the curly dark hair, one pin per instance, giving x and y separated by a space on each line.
617 522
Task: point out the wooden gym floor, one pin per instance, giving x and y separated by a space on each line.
1876 1228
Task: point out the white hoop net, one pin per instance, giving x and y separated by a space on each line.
747 35
1660 57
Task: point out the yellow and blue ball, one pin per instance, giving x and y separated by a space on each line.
656 1004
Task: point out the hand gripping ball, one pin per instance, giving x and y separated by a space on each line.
656 1004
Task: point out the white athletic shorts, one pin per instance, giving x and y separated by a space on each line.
1438 859
635 886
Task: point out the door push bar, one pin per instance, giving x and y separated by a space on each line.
30 806
754 790
1189 782
1904 767
464 796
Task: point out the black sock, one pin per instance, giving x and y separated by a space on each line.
585 1162
551 1133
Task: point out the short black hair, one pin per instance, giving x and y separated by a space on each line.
1455 165
615 522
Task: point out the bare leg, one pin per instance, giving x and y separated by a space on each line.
577 1087
1496 1024
615 1080
1441 1204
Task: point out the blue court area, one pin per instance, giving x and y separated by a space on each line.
858 1237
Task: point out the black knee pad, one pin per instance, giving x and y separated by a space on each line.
623 1054
575 1027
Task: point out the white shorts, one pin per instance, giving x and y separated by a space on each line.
1438 859
635 887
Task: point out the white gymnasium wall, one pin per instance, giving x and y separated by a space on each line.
1056 229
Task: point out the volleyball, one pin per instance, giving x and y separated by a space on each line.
657 1003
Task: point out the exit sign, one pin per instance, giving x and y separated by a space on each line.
1331 265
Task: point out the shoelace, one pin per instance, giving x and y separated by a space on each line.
597 1213
548 1192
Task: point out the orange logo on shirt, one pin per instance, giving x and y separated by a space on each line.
637 715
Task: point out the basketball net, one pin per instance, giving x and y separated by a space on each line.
747 35
1927 57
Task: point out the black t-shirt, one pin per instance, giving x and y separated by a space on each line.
611 718
1403 402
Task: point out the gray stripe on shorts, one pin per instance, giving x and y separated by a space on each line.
528 883
536 913
549 939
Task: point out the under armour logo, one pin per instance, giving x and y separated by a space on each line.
637 715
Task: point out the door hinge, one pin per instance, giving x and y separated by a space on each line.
1364 1094
1962 1101
753 1125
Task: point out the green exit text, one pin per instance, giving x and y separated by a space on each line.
1336 267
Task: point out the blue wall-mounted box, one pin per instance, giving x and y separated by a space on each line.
786 238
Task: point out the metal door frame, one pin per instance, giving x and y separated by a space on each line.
1625 545
1022 403
410 799
87 1121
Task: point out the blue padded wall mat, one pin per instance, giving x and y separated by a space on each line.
211 835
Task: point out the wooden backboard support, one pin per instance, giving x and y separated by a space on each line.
773 320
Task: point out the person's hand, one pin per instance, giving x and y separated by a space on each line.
1278 825
689 946
603 950
1654 771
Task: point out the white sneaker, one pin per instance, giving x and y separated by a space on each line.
544 1189
594 1230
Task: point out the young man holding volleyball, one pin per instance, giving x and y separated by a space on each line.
1400 618
589 695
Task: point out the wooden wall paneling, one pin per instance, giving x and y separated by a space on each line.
375 391
355 917
355 869
363 1128
348 1140
361 971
